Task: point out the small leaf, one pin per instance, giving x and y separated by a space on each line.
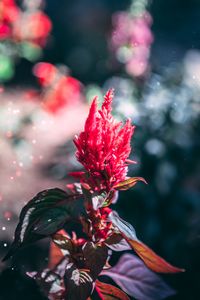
30 51
131 274
128 183
74 188
63 242
150 258
124 227
44 215
95 258
79 283
116 242
93 199
55 255
112 197
98 200
110 292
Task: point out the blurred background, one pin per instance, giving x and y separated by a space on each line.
54 57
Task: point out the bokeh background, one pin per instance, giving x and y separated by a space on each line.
156 75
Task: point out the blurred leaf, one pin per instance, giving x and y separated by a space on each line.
128 183
110 292
6 68
30 51
44 215
131 274
150 258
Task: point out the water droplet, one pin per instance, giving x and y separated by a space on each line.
3 228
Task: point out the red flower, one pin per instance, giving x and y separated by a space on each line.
9 13
58 89
33 27
103 147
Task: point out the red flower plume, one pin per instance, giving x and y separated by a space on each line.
104 146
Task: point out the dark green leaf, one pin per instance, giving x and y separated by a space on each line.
44 215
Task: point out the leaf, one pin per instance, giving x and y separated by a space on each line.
124 227
51 280
128 183
131 274
95 258
98 200
74 188
150 258
44 215
63 241
110 292
78 282
93 199
55 255
116 242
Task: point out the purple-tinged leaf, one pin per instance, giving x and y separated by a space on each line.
109 292
150 258
124 227
95 258
133 277
116 242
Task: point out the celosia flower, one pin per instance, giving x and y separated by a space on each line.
104 147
